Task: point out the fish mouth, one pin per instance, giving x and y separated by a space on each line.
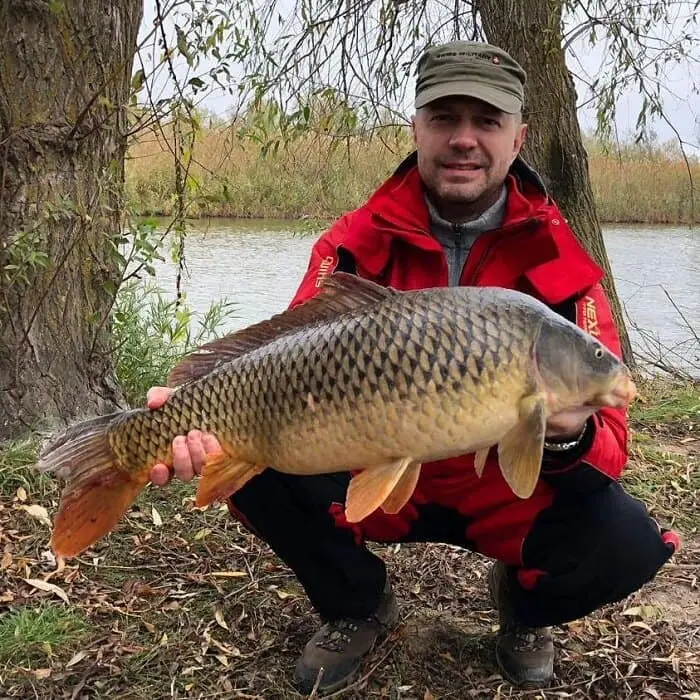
622 393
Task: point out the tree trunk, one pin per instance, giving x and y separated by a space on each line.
531 30
64 80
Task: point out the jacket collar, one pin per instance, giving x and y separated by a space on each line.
547 253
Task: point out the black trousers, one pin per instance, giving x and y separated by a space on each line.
587 550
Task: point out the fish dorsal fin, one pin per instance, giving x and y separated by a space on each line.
340 292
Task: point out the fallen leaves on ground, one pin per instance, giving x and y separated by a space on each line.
185 603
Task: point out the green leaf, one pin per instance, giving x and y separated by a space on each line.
138 80
182 45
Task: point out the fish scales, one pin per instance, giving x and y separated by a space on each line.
363 378
317 396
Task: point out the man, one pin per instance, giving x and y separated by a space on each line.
463 209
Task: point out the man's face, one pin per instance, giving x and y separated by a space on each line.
465 148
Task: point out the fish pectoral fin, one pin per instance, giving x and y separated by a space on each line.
520 450
222 476
480 461
371 487
402 492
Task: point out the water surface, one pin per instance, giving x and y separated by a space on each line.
259 265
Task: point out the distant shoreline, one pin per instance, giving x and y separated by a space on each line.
319 224
319 179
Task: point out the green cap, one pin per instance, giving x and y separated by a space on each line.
472 69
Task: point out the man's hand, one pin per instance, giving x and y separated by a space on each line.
189 452
568 424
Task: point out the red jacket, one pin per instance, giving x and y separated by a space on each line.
388 240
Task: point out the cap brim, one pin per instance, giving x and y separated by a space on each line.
500 99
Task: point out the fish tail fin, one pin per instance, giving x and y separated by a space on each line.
222 476
97 491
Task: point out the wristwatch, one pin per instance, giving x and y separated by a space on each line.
554 445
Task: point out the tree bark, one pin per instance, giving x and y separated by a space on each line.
531 31
64 80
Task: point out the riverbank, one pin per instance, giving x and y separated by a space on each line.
184 602
318 178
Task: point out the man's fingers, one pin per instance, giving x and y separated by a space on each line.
157 396
196 448
182 463
211 444
569 423
160 474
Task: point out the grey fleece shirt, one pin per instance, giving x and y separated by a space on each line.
457 239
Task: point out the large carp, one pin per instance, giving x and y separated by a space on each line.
361 377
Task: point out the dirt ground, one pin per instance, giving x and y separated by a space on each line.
184 603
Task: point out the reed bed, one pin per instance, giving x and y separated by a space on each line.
320 177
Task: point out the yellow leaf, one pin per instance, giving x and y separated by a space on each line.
157 520
21 494
632 611
202 533
219 617
41 673
38 513
77 658
646 612
49 587
6 561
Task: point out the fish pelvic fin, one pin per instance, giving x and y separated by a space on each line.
402 492
340 293
222 476
97 492
520 450
480 461
373 486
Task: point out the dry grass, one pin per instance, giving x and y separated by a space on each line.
651 186
318 177
184 603
315 177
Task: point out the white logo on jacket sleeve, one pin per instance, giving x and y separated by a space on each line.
324 269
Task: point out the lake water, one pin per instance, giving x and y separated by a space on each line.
259 264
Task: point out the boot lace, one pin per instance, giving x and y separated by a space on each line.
337 635
528 639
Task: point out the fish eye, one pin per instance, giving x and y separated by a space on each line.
599 352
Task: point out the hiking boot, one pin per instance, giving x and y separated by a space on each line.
525 655
338 648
